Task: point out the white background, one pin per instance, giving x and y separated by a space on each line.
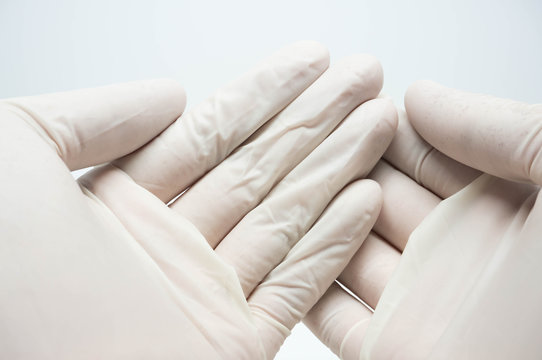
483 46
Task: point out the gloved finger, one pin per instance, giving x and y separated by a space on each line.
370 269
266 234
289 291
339 321
432 169
207 134
405 204
92 126
217 201
498 136
443 284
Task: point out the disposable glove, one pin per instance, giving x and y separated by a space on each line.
117 266
467 285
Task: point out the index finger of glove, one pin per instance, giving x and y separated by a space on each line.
435 171
498 136
207 134
91 126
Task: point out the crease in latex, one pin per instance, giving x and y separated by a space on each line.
67 138
503 253
349 163
405 277
404 280
36 123
351 332
220 132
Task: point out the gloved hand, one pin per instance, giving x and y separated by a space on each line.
116 266
467 285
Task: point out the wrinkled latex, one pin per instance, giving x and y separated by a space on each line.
463 205
468 283
114 266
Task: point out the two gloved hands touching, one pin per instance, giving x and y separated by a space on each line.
467 283
273 207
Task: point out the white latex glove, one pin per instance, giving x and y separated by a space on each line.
468 283
110 268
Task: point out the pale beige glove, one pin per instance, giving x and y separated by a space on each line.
468 283
111 268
